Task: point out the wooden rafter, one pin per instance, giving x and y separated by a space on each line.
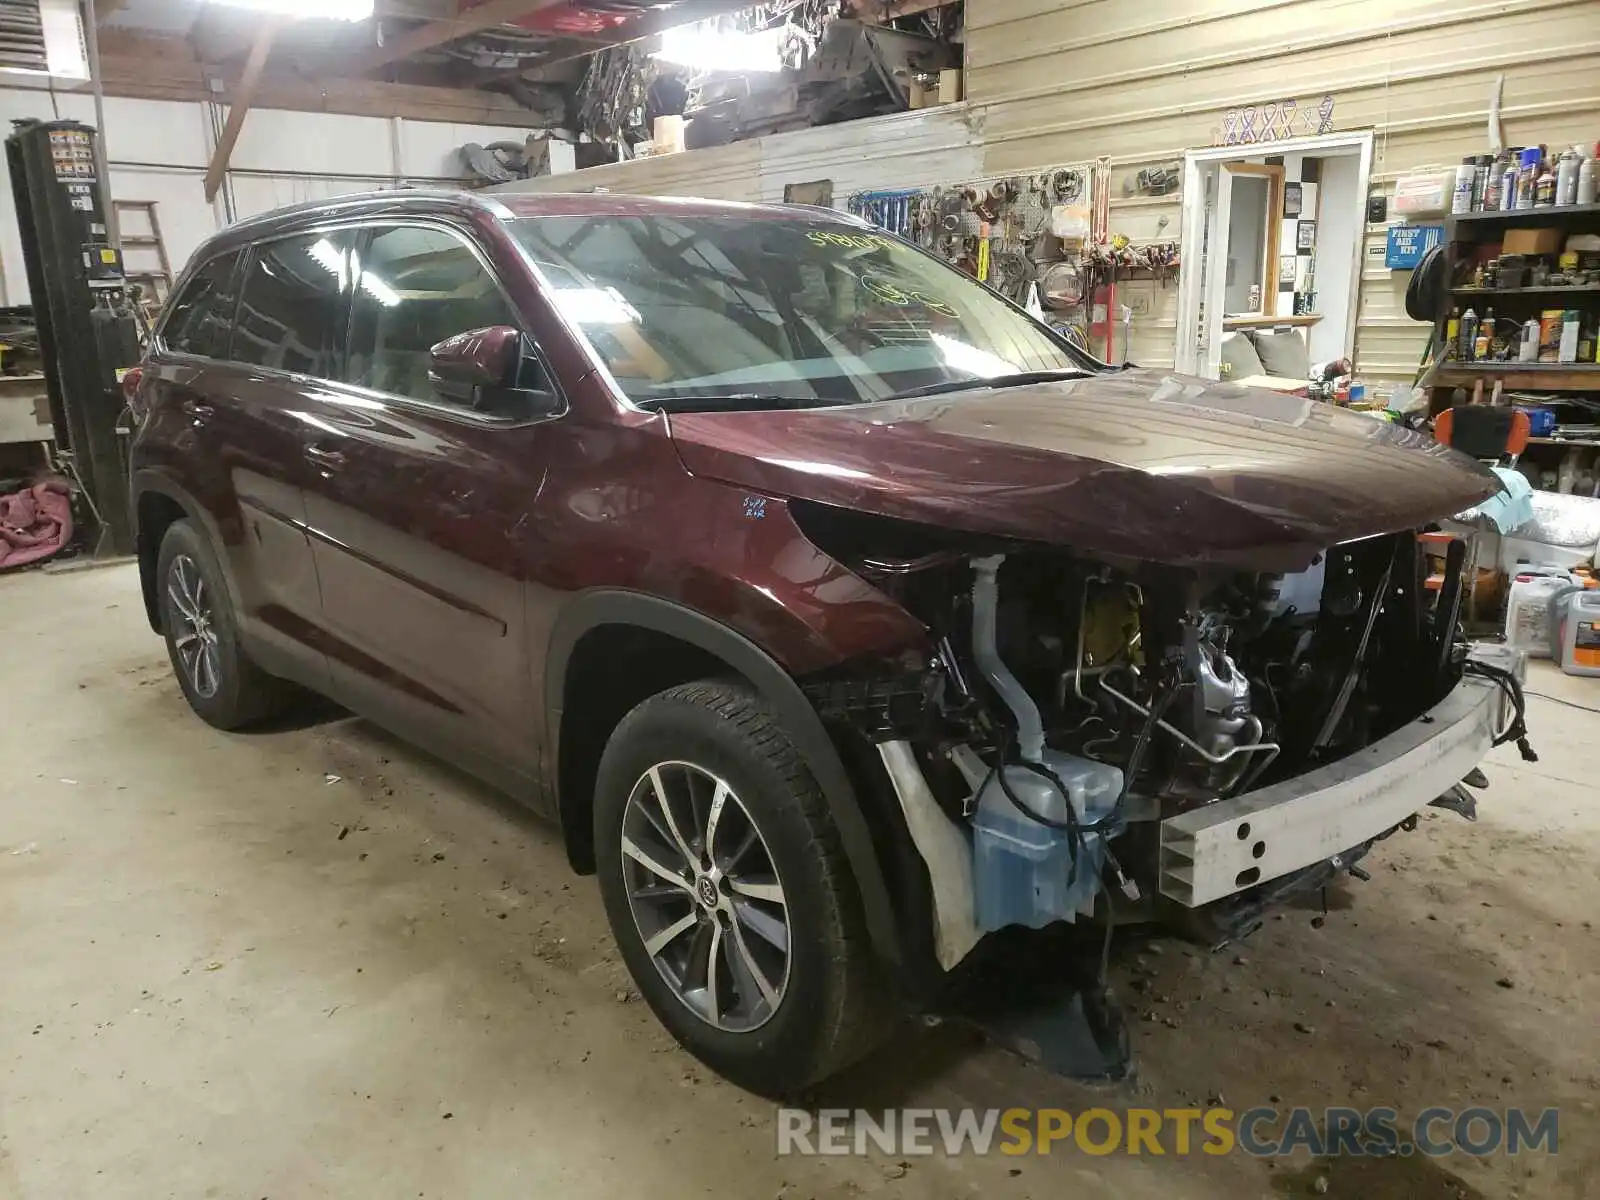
239 102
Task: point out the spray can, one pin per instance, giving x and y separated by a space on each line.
1508 182
1469 335
1527 172
1461 196
1586 182
1529 351
1480 179
1494 182
1567 176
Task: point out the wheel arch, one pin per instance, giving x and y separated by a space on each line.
158 501
707 645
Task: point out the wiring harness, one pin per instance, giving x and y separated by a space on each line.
1517 730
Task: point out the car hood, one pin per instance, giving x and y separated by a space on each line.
1132 464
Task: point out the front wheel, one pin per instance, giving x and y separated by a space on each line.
728 891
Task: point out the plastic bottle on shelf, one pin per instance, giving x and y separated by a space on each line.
1568 350
1544 187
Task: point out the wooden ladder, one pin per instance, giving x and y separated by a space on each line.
157 280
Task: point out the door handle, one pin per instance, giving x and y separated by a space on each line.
200 412
327 460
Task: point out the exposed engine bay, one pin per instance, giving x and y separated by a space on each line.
1075 707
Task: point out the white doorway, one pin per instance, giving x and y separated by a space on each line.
1272 243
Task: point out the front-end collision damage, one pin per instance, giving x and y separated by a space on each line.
1103 739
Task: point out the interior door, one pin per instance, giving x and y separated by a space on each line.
418 509
1244 203
1219 196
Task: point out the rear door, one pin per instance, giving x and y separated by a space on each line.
237 453
286 340
418 508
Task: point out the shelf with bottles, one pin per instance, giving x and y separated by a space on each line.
1522 186
1555 377
1477 223
1582 290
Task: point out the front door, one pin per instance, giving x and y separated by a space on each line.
417 508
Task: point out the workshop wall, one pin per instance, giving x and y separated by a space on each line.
158 150
903 150
1061 80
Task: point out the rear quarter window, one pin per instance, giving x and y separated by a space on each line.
199 316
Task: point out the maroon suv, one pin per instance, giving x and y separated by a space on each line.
838 610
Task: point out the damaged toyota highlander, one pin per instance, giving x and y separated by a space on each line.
840 614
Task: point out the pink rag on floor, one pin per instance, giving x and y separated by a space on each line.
34 523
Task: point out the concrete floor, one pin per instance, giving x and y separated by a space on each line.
313 962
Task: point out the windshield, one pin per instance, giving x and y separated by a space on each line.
690 311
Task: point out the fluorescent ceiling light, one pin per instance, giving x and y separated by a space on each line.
339 10
701 48
338 263
379 290
961 357
596 306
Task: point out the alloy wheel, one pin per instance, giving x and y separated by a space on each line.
705 896
195 637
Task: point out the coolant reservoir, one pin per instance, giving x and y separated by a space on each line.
1021 867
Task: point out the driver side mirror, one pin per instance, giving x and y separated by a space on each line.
492 371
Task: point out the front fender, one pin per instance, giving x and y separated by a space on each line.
591 609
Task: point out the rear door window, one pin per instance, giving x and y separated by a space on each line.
198 320
417 285
293 303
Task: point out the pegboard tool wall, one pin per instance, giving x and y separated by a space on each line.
1041 238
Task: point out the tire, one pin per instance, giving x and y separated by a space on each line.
220 681
829 1007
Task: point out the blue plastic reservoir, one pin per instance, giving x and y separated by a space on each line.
1022 868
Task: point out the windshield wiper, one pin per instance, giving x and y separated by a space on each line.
1016 379
694 402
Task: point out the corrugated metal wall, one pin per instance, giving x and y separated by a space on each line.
720 173
903 150
1065 79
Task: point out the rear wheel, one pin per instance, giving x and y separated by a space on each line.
221 682
728 891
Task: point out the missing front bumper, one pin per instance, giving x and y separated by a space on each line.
1227 847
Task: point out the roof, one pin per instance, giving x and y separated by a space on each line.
535 204
503 206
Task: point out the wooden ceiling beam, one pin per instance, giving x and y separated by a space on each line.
239 102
